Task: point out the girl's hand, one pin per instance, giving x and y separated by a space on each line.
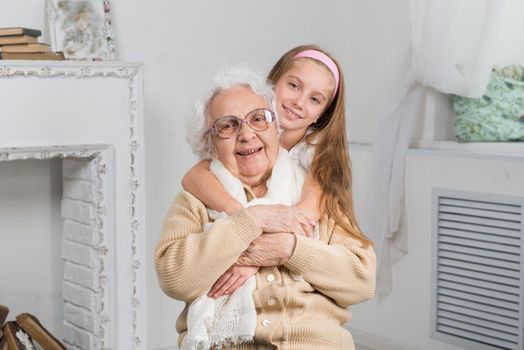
282 218
231 280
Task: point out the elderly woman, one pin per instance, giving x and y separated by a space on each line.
299 296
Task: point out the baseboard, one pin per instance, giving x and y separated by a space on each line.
373 342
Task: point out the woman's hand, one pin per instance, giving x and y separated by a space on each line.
231 280
268 249
282 218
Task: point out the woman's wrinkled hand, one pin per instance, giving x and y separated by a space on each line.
282 218
231 280
268 249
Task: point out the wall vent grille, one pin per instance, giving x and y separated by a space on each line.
478 289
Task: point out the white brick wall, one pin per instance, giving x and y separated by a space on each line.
81 275
77 338
79 211
80 233
79 189
79 317
74 168
79 296
80 251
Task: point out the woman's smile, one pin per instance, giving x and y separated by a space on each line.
249 152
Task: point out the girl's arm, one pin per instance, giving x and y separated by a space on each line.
310 198
201 183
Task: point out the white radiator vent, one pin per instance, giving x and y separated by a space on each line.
478 290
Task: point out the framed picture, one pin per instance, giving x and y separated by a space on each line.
81 29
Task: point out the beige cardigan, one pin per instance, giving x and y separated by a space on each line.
300 305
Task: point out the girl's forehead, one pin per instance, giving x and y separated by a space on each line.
313 71
309 65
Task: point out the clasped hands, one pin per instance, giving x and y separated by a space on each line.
279 224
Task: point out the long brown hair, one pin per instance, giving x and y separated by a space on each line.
331 166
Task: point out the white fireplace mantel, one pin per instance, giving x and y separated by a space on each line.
84 111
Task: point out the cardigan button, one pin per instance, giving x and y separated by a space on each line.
297 278
270 277
265 323
271 302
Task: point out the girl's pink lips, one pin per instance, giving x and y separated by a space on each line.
291 114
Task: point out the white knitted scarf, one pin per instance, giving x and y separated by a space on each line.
231 319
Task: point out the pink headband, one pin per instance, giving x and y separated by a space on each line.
322 57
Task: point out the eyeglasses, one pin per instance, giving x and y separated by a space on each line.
258 120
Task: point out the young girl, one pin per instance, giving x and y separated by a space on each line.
309 102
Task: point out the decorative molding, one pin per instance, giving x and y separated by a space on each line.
73 69
50 152
102 162
133 73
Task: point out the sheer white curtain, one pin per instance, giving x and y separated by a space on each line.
454 45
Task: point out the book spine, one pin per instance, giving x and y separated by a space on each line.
32 32
25 48
57 56
20 31
17 39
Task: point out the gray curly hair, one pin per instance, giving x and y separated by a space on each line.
197 135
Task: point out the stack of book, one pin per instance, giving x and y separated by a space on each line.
22 44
